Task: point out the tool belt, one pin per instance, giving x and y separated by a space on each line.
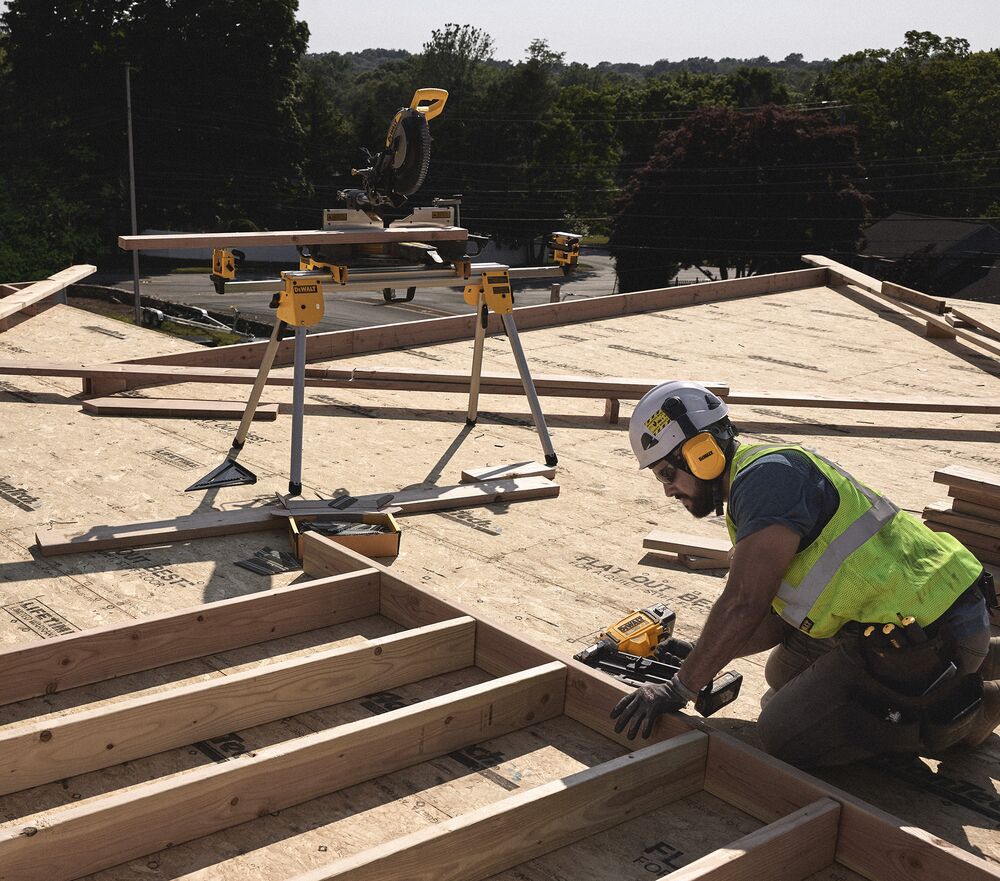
918 684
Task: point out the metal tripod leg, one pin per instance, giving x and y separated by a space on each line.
230 472
477 360
529 389
298 408
266 363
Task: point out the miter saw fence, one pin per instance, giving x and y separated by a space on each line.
399 169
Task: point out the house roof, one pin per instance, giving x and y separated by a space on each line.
557 570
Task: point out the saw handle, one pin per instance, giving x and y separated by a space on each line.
429 102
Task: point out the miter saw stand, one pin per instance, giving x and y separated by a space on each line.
300 303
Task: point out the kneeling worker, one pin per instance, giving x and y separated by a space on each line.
879 626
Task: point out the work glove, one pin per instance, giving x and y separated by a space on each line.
673 651
647 703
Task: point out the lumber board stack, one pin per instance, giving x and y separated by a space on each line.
972 511
809 825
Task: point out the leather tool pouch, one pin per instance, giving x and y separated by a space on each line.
893 683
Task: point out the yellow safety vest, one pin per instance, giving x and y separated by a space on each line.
870 562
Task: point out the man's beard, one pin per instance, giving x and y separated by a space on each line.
703 501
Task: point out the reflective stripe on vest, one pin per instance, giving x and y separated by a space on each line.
799 600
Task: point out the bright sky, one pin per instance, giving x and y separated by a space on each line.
644 31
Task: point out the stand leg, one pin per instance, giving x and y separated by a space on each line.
477 361
298 408
258 387
529 390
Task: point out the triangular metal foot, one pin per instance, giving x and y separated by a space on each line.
229 473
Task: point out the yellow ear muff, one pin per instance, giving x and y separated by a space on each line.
704 456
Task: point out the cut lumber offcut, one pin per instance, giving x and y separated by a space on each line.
93 835
911 405
693 545
971 479
177 408
508 472
137 535
915 298
65 662
941 512
987 499
789 849
435 498
35 293
870 842
984 548
977 323
974 509
211 240
521 827
697 564
47 750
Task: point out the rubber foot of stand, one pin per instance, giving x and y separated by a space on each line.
294 489
552 460
469 421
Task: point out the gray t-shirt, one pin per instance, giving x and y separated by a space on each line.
782 487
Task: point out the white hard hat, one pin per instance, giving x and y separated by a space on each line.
670 414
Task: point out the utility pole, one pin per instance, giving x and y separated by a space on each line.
131 184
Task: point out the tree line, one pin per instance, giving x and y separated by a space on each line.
737 164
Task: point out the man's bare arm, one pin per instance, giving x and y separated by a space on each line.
759 562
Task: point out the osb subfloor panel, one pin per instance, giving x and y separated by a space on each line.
554 570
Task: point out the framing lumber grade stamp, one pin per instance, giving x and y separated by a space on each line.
811 824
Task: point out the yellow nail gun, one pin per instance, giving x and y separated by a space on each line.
635 650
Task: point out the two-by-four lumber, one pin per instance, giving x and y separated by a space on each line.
136 535
45 750
65 662
975 509
176 408
521 827
102 832
590 694
164 241
508 472
35 293
915 298
340 343
909 405
971 479
941 512
789 849
693 545
874 844
977 323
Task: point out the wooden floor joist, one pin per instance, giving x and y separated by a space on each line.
173 408
810 824
529 824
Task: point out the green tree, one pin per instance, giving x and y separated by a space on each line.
746 192
926 113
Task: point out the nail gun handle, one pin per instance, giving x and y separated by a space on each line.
717 694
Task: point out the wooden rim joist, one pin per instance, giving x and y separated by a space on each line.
809 825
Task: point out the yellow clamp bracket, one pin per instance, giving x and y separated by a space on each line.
223 263
496 291
337 271
565 248
429 102
300 302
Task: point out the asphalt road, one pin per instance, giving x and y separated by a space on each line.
594 278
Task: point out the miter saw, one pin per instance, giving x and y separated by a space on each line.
426 248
